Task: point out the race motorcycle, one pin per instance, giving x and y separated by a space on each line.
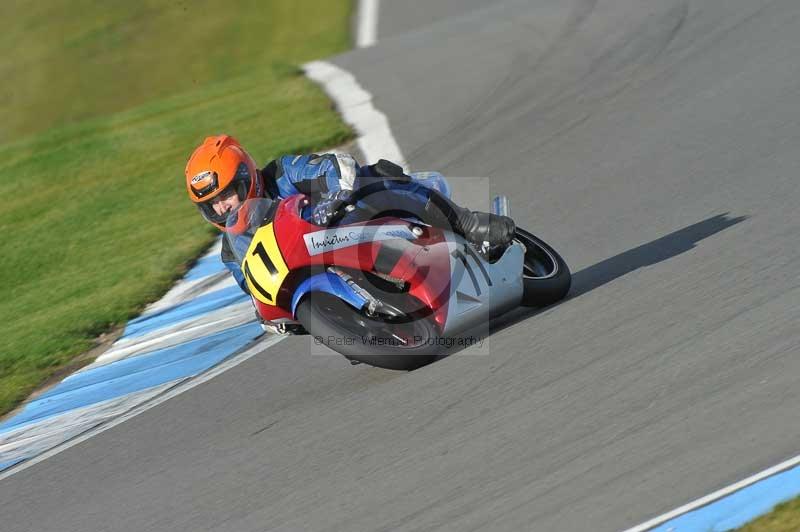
385 290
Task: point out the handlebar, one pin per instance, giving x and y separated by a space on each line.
359 194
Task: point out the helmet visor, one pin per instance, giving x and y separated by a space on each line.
218 215
208 184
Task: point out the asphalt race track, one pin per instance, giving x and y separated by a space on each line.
656 144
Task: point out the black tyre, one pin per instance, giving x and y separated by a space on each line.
402 345
545 276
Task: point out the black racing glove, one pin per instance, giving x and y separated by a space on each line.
326 209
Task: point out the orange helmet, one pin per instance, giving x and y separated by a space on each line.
219 168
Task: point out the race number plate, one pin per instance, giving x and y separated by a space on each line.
264 268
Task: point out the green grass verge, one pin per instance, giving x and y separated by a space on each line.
784 518
109 100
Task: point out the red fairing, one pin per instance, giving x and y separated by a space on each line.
270 313
430 275
424 262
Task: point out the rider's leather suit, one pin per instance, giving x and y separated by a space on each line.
320 176
317 176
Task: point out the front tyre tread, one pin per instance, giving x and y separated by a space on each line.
543 291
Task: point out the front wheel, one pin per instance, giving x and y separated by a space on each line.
545 276
402 345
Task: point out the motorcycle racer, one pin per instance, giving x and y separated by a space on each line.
221 175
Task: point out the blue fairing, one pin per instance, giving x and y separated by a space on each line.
331 284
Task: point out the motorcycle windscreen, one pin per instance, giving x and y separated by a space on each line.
243 223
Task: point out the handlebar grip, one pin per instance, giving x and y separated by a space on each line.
362 193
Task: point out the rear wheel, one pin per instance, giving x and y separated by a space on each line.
545 276
400 344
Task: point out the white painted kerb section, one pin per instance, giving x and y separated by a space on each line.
375 139
367 32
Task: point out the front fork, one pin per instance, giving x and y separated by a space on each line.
500 206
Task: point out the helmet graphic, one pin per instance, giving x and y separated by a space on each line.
217 170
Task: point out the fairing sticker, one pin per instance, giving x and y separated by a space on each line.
327 240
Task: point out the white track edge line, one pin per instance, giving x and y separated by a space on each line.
181 386
375 138
367 31
719 494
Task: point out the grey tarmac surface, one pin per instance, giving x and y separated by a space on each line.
398 18
655 144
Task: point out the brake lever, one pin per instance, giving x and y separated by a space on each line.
340 212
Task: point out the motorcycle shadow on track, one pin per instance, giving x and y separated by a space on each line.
605 271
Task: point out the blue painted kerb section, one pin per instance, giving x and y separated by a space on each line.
6 465
185 311
150 369
740 507
206 266
135 374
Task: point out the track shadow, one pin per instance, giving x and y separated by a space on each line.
617 266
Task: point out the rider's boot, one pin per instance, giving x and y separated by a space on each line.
491 230
482 229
